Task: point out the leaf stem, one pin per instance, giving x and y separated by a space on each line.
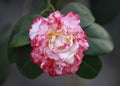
49 8
43 11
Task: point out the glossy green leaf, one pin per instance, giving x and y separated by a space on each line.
86 17
90 67
19 36
25 65
99 40
12 54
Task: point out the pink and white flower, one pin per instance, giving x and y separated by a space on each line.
58 43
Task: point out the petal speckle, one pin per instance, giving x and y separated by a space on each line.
58 43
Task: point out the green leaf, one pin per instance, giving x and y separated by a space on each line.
90 67
25 65
86 17
12 54
99 40
19 36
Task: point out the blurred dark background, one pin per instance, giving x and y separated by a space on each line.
107 13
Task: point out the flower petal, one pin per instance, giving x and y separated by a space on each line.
58 43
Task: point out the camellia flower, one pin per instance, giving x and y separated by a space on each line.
58 43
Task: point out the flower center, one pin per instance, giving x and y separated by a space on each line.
60 42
